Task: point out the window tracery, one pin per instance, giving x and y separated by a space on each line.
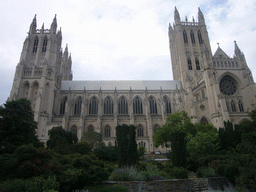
122 106
93 106
107 131
63 105
233 106
200 39
44 45
140 132
137 106
197 64
167 104
228 85
35 45
192 37
185 37
78 105
189 64
152 105
108 106
240 105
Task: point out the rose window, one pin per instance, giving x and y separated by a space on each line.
228 85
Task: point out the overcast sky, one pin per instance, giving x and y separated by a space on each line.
122 39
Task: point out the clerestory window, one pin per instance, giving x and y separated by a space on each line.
93 106
108 106
122 106
137 106
152 105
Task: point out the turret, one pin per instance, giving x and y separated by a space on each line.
66 52
54 25
170 29
200 17
32 28
176 16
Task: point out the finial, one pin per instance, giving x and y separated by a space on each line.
186 19
43 26
218 44
193 19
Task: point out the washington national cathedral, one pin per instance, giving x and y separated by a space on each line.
212 88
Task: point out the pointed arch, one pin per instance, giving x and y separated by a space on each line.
36 40
74 129
63 105
200 39
140 131
197 64
240 105
107 131
93 106
122 106
137 106
90 128
108 106
142 143
185 37
44 44
167 105
233 106
192 36
25 90
152 105
189 64
204 121
78 106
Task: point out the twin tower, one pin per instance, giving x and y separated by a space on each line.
212 88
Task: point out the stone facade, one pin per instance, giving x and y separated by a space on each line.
211 88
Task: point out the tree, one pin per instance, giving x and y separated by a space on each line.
60 137
127 153
174 131
17 125
93 138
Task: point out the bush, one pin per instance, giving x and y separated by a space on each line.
27 170
153 173
16 185
180 173
26 153
106 153
115 188
126 174
205 172
82 148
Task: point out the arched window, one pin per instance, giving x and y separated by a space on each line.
93 106
241 107
108 106
221 64
25 90
152 105
35 45
63 105
218 64
214 64
167 104
233 106
225 63
137 106
233 65
192 37
189 64
200 39
44 45
122 106
155 128
74 130
197 64
185 37
142 144
90 128
107 131
229 65
204 121
140 132
78 105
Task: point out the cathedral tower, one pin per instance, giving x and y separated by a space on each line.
40 70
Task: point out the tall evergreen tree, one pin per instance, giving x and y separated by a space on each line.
127 153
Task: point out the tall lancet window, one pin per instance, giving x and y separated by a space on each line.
140 132
63 105
197 64
122 106
185 37
233 106
93 106
192 36
107 131
241 107
35 45
78 105
189 64
167 104
44 45
137 106
200 39
152 105
108 106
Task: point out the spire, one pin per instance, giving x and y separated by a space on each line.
66 51
200 17
54 24
237 50
170 29
33 25
42 29
176 16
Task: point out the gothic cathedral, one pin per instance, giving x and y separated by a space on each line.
211 88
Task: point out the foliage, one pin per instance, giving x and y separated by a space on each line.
152 173
81 147
141 151
115 188
205 172
180 173
127 153
17 125
60 137
93 138
106 153
126 174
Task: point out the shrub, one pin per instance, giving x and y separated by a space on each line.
107 153
16 185
180 173
153 173
205 172
82 148
126 174
27 170
26 153
100 176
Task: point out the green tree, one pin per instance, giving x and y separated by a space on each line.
127 153
93 138
174 131
59 137
17 125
